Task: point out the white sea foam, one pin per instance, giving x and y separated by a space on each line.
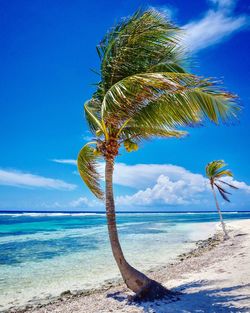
44 214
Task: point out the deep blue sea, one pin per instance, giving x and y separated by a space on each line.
43 254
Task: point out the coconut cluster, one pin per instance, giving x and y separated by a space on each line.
109 149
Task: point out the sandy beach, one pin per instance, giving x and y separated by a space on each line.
214 277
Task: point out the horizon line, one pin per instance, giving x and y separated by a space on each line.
119 212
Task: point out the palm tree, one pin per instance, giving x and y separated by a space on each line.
144 92
215 170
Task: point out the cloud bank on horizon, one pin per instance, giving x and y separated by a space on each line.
167 185
158 184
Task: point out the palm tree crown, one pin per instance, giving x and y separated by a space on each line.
145 92
215 170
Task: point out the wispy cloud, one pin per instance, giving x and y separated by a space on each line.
216 25
168 11
224 4
22 179
83 202
87 136
64 161
80 203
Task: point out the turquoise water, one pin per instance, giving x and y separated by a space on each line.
43 254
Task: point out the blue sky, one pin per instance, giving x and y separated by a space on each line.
47 51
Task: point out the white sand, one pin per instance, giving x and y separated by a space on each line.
217 280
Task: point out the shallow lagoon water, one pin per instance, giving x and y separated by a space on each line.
42 255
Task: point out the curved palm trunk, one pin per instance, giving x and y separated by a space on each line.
139 283
220 214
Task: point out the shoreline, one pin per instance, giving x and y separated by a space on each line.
45 281
170 275
108 284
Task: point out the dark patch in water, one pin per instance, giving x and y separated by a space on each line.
34 250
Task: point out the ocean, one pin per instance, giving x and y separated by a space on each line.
44 254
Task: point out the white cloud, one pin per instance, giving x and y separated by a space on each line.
84 202
166 184
224 4
174 186
239 184
141 175
158 184
64 161
52 205
217 24
167 10
145 175
21 179
80 203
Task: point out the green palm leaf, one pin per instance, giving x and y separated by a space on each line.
213 167
223 173
138 44
140 133
167 99
214 171
167 67
91 115
128 96
87 167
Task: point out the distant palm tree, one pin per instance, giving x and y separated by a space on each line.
215 171
144 92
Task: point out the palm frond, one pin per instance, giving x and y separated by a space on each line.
230 185
140 133
222 193
87 167
169 111
137 44
214 167
132 93
215 170
214 105
91 114
222 189
167 99
167 67
223 173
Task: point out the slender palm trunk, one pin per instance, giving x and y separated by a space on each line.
220 214
139 283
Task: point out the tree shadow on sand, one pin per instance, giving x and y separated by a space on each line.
190 300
